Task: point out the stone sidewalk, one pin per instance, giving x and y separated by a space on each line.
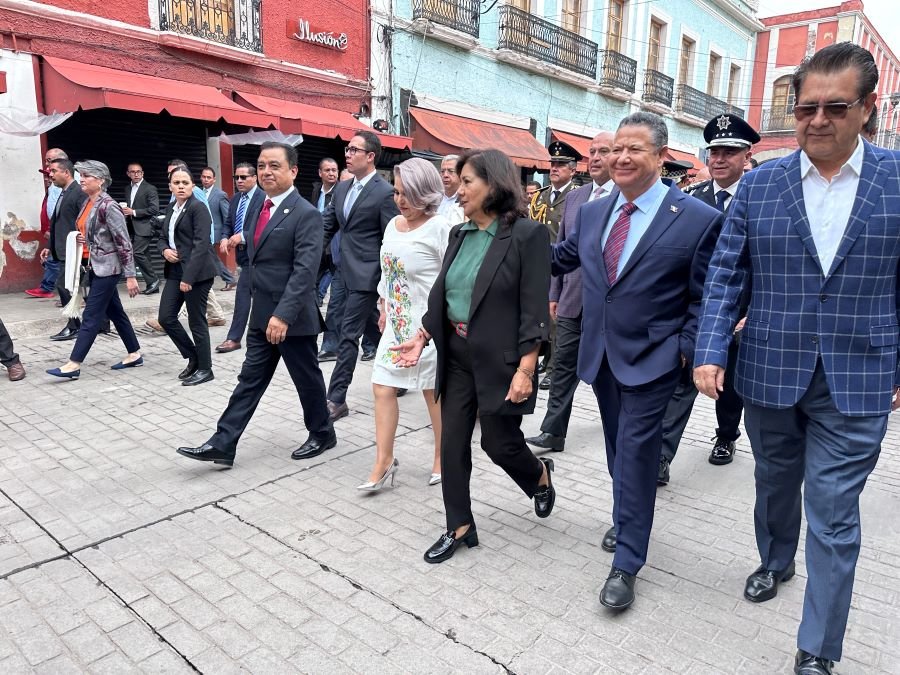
117 555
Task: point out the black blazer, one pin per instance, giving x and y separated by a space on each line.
284 266
62 220
146 208
361 232
192 232
508 316
317 191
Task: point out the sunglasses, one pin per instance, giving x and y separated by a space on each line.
243 177
832 111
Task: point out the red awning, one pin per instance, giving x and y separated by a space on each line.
685 157
69 85
301 118
445 134
581 143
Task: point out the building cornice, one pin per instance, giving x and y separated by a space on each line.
175 40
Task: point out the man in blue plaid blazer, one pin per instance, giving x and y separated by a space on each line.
816 235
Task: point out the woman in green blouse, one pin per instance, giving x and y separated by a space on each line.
488 316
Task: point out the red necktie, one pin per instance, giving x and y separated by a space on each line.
615 242
262 221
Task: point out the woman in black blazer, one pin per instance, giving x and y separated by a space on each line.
488 316
185 243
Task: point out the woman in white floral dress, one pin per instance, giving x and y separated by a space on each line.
411 256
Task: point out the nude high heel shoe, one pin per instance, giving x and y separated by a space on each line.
391 472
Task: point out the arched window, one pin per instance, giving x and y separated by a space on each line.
781 111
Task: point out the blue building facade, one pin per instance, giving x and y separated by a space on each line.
553 67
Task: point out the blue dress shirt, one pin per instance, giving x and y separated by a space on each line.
647 206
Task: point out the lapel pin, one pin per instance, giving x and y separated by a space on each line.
674 209
287 210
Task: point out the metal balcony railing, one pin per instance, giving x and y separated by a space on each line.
617 70
778 119
658 88
461 15
229 22
527 34
700 104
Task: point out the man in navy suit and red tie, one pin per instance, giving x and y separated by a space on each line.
643 253
284 247
816 237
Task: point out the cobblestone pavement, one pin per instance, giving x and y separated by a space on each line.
117 555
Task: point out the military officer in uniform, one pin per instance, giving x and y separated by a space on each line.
547 207
729 139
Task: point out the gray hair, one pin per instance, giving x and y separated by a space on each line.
659 133
422 184
450 158
92 167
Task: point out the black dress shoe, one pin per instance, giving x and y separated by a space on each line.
662 478
618 591
336 411
189 370
609 540
809 664
762 585
545 383
198 377
208 453
545 497
722 452
368 356
151 289
327 356
401 392
444 548
65 334
315 446
548 442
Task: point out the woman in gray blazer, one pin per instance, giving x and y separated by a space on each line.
104 233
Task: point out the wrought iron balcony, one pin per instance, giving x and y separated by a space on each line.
778 119
617 70
700 104
658 88
461 15
527 34
230 22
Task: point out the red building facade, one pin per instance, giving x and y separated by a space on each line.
787 40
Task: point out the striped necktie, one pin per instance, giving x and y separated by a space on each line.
239 216
615 243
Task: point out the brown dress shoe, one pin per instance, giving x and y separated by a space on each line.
15 372
215 322
229 287
228 346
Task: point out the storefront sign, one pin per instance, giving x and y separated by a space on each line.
301 31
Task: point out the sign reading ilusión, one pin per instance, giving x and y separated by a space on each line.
323 38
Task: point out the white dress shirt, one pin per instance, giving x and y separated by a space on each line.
730 189
134 188
605 189
829 203
177 209
451 210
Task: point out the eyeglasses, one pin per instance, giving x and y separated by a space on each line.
352 150
134 173
243 177
833 111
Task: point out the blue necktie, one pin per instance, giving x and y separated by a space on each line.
721 196
351 198
239 216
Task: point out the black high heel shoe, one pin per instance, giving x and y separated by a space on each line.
444 548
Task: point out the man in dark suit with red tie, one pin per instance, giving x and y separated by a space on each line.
284 247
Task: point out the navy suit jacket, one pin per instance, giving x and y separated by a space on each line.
566 289
647 319
361 232
285 264
256 202
847 315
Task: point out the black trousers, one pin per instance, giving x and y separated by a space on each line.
170 304
141 246
358 312
501 438
565 377
8 356
65 296
242 302
729 407
261 360
103 304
